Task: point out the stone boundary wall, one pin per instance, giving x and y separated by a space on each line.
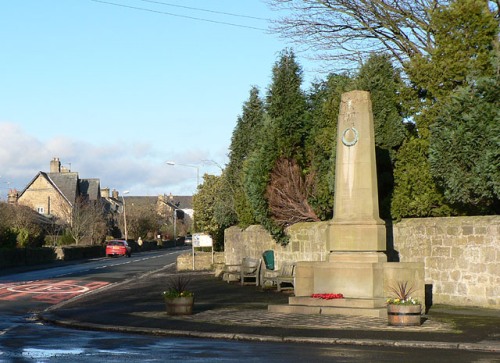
461 255
202 261
306 243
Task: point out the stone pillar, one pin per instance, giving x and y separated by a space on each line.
356 225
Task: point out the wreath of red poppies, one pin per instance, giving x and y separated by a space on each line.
327 296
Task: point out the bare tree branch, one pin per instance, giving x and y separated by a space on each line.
347 31
288 192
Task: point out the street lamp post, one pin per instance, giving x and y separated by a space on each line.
191 166
213 162
125 215
175 225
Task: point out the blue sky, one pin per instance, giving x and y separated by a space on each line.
115 91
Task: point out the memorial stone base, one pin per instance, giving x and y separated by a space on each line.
364 279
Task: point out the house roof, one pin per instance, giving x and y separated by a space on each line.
67 183
179 202
70 186
90 188
139 201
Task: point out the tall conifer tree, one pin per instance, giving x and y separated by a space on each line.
244 141
282 138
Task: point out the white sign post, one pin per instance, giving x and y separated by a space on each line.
202 240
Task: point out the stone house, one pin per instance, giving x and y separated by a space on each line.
54 193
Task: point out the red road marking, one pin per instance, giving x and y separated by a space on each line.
47 291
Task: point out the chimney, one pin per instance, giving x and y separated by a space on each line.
115 194
55 165
12 196
105 193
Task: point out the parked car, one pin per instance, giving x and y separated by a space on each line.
118 248
188 239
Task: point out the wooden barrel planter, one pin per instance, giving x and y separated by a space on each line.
404 315
180 305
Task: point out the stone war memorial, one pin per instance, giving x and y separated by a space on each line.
356 265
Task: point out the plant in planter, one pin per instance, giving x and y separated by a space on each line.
178 299
402 309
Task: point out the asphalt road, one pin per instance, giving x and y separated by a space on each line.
24 339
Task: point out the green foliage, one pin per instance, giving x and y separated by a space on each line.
464 33
244 141
282 135
465 147
415 193
257 169
286 106
65 239
7 238
22 238
20 226
453 115
462 74
458 40
177 286
402 292
224 211
210 208
246 133
142 222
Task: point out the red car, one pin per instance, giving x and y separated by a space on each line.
118 248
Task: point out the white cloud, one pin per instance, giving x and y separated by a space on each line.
139 168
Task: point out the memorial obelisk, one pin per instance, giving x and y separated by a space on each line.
356 225
355 238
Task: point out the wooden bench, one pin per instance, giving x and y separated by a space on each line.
231 273
286 275
249 268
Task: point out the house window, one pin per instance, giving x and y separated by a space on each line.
40 210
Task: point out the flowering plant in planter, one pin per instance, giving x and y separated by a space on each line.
402 294
402 309
177 287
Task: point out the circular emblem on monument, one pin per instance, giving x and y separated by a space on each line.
350 136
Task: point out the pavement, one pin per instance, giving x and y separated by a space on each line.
230 311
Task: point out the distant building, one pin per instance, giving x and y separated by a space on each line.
163 205
55 193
